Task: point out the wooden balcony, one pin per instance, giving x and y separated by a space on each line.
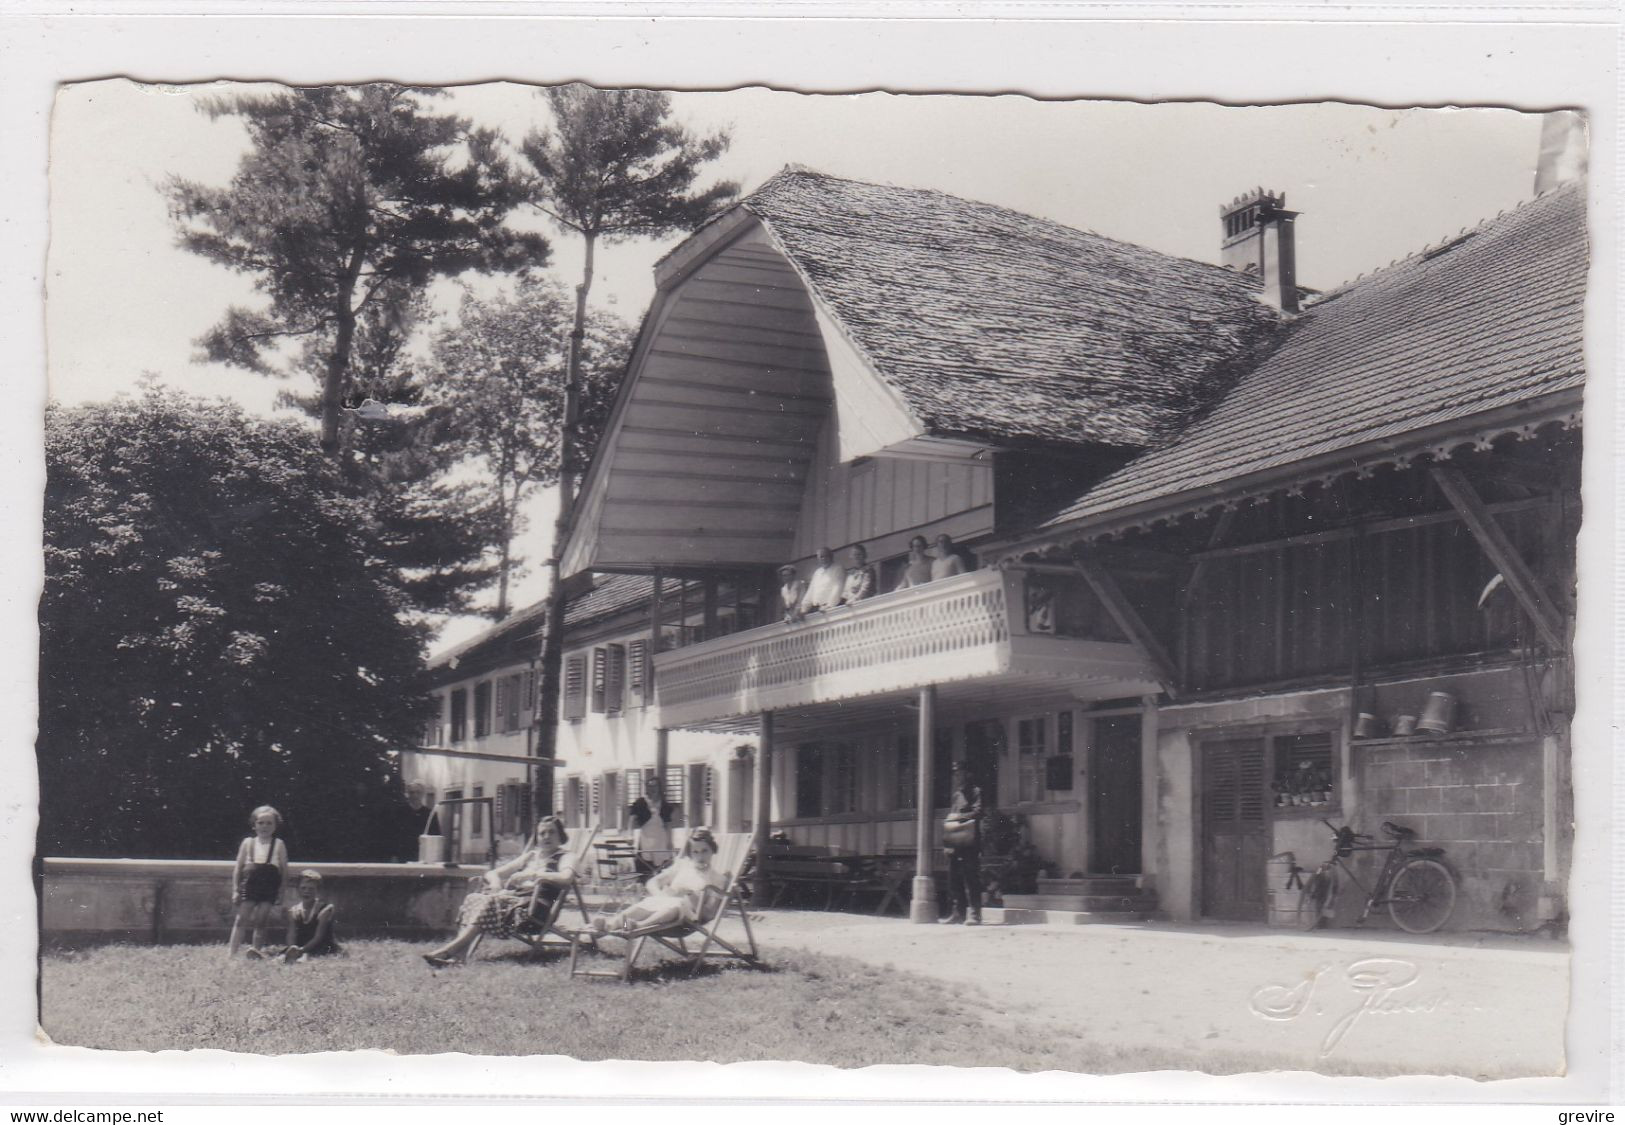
958 631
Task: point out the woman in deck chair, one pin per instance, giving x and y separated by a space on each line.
676 894
502 906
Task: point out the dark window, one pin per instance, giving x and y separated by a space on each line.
843 779
906 775
479 813
1032 752
482 709
810 781
459 715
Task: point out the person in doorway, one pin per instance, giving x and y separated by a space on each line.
917 571
947 563
651 829
825 585
860 580
791 591
311 922
962 836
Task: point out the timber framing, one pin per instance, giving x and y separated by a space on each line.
1129 620
1525 586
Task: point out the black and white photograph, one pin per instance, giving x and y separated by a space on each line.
597 569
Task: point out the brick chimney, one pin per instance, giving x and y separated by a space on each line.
1257 239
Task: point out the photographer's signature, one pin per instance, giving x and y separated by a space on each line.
1383 987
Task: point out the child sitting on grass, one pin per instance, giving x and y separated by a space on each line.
310 922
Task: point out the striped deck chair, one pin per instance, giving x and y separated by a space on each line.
733 851
542 919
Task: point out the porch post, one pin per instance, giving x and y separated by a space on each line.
764 806
922 907
661 758
1150 829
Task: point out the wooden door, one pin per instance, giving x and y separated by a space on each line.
1235 829
1115 796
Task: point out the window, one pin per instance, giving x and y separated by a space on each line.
513 808
906 775
574 702
482 709
637 671
698 794
508 689
600 679
1032 748
1058 767
809 781
459 715
843 779
614 678
1304 774
479 813
672 786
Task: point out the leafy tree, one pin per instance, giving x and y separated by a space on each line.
218 631
350 200
614 167
496 381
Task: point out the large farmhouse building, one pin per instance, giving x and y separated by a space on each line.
1229 557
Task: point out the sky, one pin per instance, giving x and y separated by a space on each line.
1371 185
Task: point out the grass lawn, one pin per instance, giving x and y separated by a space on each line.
804 1006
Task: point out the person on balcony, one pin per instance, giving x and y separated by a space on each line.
917 571
825 585
860 580
947 563
791 590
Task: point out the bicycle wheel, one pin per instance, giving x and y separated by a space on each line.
1422 896
1315 900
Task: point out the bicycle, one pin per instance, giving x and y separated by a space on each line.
1414 884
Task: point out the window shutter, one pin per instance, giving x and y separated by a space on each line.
699 787
600 674
597 812
501 703
637 679
575 685
529 703
614 678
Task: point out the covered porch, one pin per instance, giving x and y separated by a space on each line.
861 709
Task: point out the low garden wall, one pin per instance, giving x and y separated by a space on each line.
155 901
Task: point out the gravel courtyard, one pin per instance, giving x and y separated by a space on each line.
1481 1007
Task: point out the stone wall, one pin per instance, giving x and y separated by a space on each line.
154 901
1481 803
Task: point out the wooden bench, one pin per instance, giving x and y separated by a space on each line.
793 869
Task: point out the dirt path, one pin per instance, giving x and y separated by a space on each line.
1493 1008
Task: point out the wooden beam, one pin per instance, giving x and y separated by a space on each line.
1374 527
1493 540
1129 620
1221 532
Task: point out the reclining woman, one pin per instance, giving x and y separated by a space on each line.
676 894
503 905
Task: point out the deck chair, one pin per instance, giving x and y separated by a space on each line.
542 919
733 852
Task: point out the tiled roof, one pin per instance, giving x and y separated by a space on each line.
518 636
1489 319
993 323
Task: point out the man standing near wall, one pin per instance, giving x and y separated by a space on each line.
962 836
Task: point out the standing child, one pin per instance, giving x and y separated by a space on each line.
311 930
256 880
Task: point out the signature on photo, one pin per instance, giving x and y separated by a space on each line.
1381 986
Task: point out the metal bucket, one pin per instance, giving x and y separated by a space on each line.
1366 725
1404 725
431 849
1439 716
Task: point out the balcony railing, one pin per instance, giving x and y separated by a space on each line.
955 629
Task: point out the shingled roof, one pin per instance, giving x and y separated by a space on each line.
518 637
1489 319
994 324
